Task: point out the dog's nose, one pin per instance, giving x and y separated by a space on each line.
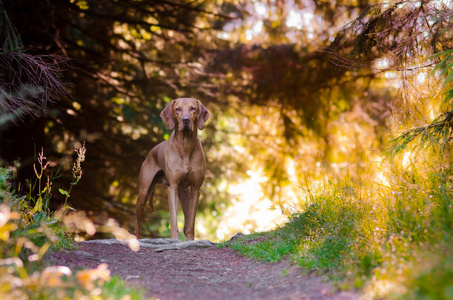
186 120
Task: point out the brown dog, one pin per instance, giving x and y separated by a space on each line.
179 163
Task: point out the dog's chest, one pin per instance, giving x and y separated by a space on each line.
186 166
185 169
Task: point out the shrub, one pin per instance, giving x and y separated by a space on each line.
28 229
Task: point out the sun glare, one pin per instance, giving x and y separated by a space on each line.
381 179
407 159
421 77
382 64
291 170
250 210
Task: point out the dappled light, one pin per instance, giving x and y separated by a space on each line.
330 129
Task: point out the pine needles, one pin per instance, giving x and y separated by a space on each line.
437 132
9 37
28 83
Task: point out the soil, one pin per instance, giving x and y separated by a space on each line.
199 273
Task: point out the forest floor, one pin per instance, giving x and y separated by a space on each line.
171 270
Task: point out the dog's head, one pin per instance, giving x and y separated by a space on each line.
186 114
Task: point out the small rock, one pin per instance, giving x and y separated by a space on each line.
164 248
312 271
186 245
159 244
103 241
195 244
159 241
236 236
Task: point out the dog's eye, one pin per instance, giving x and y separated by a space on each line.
193 109
178 109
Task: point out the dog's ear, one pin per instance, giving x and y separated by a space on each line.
167 115
203 115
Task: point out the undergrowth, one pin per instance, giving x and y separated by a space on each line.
29 229
390 235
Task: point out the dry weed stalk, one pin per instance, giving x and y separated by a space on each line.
76 172
77 168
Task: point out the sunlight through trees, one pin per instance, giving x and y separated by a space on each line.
298 90
333 115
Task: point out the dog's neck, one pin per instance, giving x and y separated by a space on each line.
186 140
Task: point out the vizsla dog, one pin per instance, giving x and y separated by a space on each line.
179 163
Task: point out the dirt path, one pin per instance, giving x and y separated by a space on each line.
199 273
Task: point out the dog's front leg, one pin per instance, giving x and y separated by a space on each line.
189 222
173 207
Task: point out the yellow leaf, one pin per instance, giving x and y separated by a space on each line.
38 206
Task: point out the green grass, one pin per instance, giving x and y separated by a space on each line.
390 240
116 288
271 246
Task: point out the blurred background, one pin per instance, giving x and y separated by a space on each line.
298 91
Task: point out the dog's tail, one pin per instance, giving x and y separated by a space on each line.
151 205
151 197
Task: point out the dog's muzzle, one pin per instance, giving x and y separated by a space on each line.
186 126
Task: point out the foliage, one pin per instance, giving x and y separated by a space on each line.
445 66
283 114
271 247
10 38
386 228
128 59
406 37
28 229
115 286
440 130
131 58
391 239
29 82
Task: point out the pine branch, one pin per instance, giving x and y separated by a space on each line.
439 131
29 82
9 37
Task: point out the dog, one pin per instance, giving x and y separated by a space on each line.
179 163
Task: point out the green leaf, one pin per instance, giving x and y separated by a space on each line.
38 206
39 217
442 64
449 96
447 68
448 79
69 207
440 53
63 192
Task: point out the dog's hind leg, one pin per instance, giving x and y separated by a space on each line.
147 183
